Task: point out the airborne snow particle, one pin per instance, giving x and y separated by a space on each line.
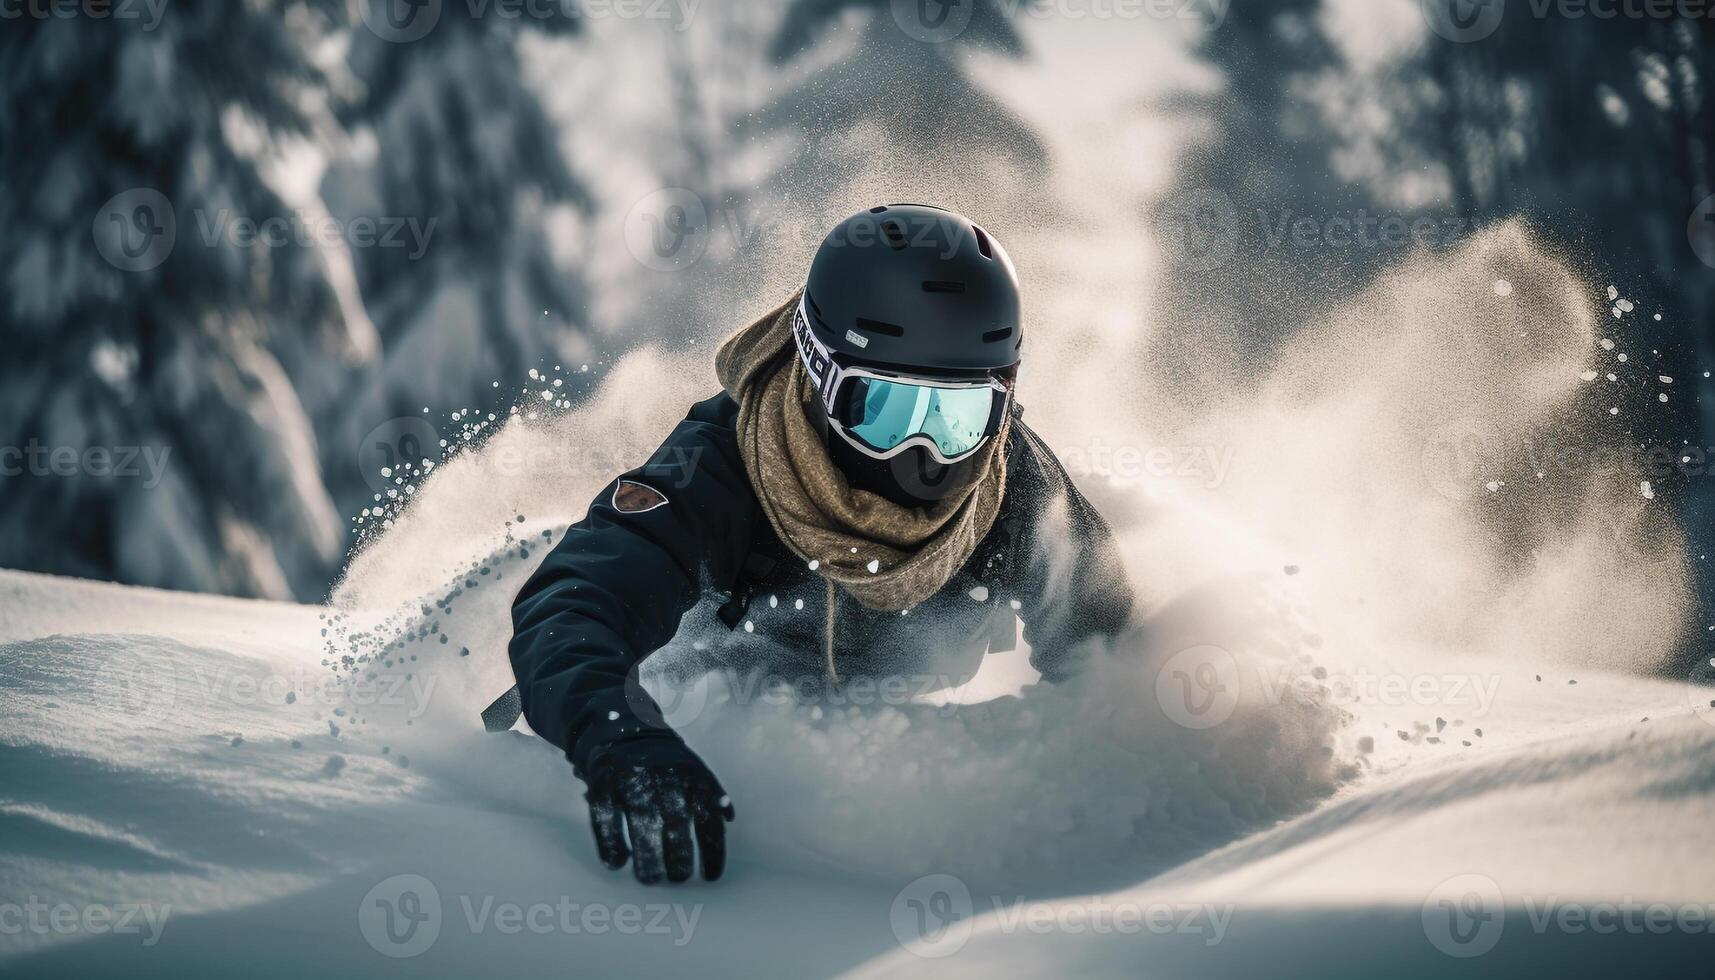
980 593
815 563
613 716
1587 376
333 766
874 565
749 627
1647 490
797 603
1607 344
1503 287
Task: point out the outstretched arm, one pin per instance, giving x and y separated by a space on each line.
1071 582
610 593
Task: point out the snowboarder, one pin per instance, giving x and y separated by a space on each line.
867 471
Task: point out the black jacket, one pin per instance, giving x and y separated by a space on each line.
621 582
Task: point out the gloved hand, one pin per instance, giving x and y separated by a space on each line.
656 788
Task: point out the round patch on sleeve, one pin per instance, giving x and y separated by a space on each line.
631 497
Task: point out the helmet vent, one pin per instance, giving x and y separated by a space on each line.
878 326
942 286
878 209
983 242
894 234
994 335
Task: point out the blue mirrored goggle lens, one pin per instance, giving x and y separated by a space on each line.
955 418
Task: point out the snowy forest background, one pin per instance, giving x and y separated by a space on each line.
520 192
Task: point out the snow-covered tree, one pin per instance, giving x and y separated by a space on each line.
150 433
450 143
896 100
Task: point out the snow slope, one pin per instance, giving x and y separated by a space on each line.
149 758
1390 706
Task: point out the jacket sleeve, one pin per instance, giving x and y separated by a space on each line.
1071 583
616 586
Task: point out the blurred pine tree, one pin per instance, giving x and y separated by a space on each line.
138 316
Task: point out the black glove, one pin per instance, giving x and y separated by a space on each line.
656 788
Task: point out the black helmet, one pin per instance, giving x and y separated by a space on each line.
917 288
910 329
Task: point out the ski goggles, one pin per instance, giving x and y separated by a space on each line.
883 413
